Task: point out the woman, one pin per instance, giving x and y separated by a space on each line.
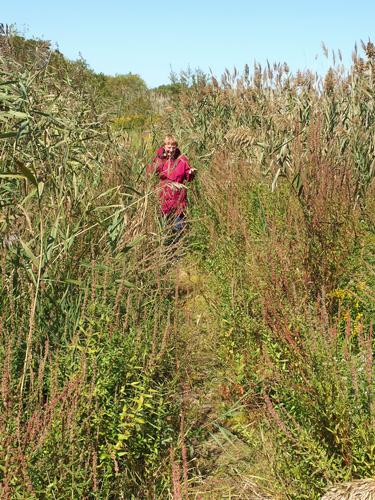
174 171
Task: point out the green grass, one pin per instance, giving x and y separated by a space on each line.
243 365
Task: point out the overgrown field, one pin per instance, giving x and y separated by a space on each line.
128 366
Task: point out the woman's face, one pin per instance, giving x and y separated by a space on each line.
169 149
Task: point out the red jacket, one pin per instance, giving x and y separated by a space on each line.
173 174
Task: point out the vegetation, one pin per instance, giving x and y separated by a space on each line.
237 361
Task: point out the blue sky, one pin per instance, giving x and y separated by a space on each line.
149 37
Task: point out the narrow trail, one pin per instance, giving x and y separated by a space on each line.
221 464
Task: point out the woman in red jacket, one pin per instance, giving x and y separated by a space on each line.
174 171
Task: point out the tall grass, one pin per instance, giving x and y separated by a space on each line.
285 235
86 303
94 385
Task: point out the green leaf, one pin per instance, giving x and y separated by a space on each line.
126 283
133 190
29 253
27 173
73 282
12 175
13 114
5 135
8 82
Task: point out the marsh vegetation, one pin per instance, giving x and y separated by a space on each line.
243 367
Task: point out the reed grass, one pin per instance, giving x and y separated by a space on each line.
98 389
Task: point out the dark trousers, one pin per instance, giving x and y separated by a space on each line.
175 225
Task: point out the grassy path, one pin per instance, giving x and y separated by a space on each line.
221 464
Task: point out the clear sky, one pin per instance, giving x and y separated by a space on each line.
149 37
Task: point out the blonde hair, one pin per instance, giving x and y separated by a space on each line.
170 139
